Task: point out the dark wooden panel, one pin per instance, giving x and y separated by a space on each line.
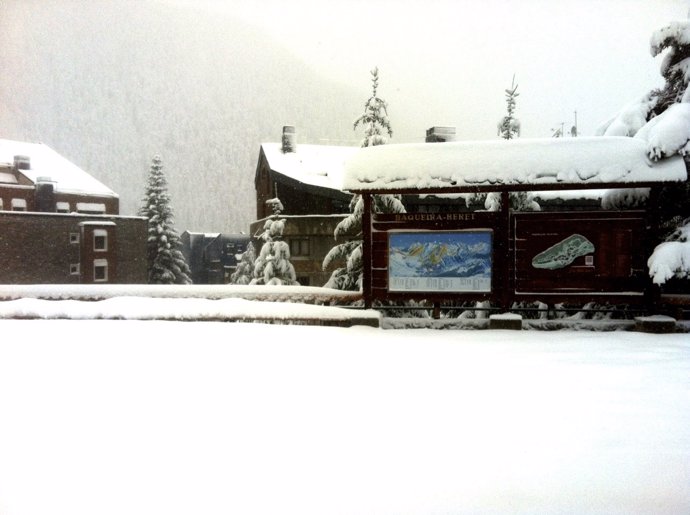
613 265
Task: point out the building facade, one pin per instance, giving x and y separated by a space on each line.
60 225
212 257
307 180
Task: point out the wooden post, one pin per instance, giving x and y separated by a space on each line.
503 263
652 292
366 250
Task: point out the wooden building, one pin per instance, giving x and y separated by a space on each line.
507 256
306 179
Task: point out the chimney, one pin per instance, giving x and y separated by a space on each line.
22 162
289 143
45 195
440 134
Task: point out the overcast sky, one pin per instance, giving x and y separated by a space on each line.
448 62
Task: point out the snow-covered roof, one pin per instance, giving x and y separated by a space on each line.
48 164
8 178
543 163
315 165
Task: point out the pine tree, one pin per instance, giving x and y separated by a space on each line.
376 125
375 117
272 266
672 213
674 68
166 264
509 126
244 272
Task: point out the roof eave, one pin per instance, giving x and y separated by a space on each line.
488 188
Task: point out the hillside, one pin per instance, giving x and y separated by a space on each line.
109 84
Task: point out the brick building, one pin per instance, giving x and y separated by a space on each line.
58 224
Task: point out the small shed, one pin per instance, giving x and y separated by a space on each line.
505 256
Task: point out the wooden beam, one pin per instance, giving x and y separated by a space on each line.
499 187
366 250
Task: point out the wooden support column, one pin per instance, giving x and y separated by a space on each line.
502 264
652 292
366 250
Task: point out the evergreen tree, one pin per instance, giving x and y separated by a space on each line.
667 104
376 125
375 117
272 266
674 68
244 272
166 264
509 126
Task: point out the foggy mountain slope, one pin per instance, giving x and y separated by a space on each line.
109 84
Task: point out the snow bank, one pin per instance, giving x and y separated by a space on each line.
140 308
306 294
550 161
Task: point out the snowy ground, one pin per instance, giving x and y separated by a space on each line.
154 417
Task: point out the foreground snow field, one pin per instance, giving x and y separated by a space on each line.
153 417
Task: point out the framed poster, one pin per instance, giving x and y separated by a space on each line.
440 261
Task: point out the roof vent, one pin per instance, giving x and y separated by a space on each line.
22 162
440 134
289 143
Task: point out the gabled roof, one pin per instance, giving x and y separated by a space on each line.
312 165
48 164
509 164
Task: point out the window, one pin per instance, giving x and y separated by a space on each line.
299 247
100 240
74 269
0 204
74 237
100 270
62 207
18 204
90 208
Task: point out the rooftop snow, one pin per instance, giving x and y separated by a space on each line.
316 165
8 178
538 162
45 162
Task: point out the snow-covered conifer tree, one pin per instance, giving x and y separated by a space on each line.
661 118
376 125
375 117
166 264
272 266
244 272
509 126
